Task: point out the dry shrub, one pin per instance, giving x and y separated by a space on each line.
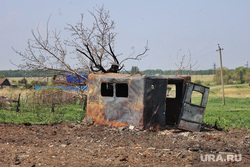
54 95
1 103
13 94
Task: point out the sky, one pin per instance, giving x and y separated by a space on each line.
171 28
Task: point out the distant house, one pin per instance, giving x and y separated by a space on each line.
4 82
69 79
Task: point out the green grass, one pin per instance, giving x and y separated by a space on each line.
236 112
32 111
239 86
40 114
214 91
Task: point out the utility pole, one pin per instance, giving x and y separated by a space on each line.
247 64
24 79
214 67
222 83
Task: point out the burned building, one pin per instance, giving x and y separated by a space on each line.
138 100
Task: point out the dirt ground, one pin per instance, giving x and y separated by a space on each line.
70 144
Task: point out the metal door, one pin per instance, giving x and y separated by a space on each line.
192 115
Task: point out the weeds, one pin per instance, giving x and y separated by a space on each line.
236 112
44 106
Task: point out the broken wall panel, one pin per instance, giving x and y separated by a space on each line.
154 101
110 109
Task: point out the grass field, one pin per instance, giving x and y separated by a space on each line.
40 114
236 112
14 93
239 91
32 112
13 80
203 78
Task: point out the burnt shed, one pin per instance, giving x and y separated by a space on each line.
123 99
146 101
4 82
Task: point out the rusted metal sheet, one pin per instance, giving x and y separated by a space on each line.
123 100
191 114
154 102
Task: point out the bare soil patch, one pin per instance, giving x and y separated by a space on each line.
70 144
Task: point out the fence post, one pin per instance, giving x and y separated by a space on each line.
18 103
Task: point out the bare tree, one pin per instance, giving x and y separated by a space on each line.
92 46
97 43
46 53
184 65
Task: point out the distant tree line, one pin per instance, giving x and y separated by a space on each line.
30 73
173 72
25 73
135 70
231 76
239 75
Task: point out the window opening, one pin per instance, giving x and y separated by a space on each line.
107 89
121 89
171 91
196 98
